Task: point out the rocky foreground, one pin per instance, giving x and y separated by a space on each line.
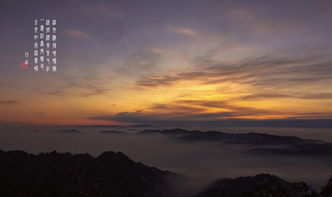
64 174
115 175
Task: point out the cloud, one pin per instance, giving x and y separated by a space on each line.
207 120
264 96
78 33
313 115
182 30
151 81
175 107
235 110
57 92
184 111
257 24
267 77
9 102
299 95
158 118
96 91
266 71
80 85
106 9
87 91
158 51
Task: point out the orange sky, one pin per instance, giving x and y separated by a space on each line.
207 61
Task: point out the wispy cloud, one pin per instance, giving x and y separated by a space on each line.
96 91
107 9
154 117
259 72
181 30
256 24
226 105
205 120
300 95
9 102
77 33
185 110
57 92
86 86
158 51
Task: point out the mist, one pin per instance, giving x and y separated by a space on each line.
200 162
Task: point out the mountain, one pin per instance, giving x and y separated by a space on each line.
260 143
171 132
69 131
262 185
327 190
115 175
112 132
63 174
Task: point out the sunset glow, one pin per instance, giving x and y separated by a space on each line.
253 63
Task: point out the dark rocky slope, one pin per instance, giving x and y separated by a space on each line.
115 175
327 190
63 174
263 185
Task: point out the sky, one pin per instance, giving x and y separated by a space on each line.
159 62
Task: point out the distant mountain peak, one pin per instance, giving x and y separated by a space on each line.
261 185
261 143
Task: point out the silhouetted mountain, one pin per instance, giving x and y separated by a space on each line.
114 126
115 175
262 185
63 174
173 132
112 132
327 190
309 149
69 131
263 143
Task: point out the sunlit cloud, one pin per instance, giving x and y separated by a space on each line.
96 92
207 61
157 51
300 95
182 30
217 119
77 33
262 71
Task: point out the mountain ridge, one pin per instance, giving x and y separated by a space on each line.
260 143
